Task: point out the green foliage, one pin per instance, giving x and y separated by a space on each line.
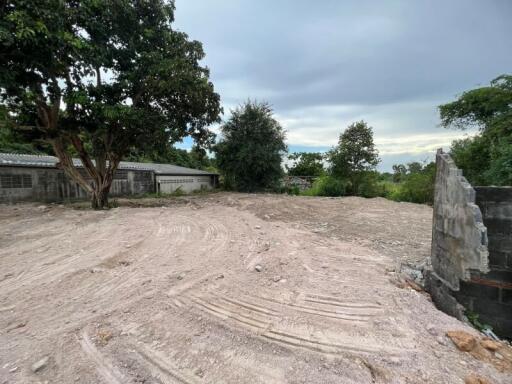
355 157
385 176
12 141
11 144
473 156
290 190
355 151
177 192
250 151
417 185
399 172
327 186
482 107
367 184
306 164
485 158
172 155
102 77
482 161
474 320
500 169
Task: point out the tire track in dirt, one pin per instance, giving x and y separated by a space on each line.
175 288
109 373
326 347
161 367
121 286
271 322
57 266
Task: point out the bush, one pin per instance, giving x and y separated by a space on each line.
417 188
388 189
368 185
288 189
328 186
500 169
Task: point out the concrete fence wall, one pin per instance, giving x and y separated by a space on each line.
471 248
51 184
490 294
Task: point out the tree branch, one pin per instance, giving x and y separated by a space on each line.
85 158
98 76
66 164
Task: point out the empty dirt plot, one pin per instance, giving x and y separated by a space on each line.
222 288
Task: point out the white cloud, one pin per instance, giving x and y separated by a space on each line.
399 128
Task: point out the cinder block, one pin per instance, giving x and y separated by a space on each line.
501 325
498 259
501 194
499 226
479 291
504 276
500 243
506 298
491 309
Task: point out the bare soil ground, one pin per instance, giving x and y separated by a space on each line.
169 292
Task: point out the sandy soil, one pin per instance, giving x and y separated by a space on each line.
172 294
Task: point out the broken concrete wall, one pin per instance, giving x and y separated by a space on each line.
471 248
459 237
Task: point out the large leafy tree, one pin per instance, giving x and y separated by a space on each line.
487 108
355 156
485 158
98 78
305 164
251 149
173 155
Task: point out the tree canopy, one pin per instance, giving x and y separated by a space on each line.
487 107
99 78
305 164
484 158
251 148
355 151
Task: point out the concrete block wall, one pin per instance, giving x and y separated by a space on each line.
52 185
471 248
490 294
45 184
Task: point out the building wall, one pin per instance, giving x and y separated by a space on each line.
490 294
471 248
51 184
169 184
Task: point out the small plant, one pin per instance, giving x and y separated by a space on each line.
474 320
178 192
327 186
294 190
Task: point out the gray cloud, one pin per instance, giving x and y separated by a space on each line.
324 64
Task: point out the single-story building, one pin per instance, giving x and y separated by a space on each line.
37 178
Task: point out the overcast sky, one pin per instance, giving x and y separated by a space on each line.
327 63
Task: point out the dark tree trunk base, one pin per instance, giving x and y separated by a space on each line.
99 200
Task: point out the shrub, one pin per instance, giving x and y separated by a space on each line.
417 188
367 185
328 186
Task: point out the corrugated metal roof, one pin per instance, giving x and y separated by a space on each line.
19 160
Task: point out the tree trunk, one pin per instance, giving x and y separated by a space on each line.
101 187
100 198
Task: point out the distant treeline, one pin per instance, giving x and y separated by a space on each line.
251 151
